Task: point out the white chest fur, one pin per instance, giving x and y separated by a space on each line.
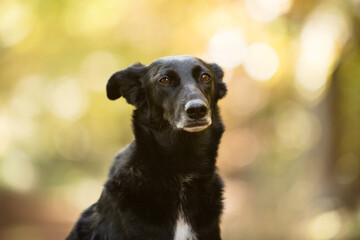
183 229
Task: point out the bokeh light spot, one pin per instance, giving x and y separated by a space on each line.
66 99
26 98
325 226
18 171
323 34
261 61
16 21
5 133
267 10
228 47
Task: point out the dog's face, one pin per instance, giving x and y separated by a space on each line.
183 90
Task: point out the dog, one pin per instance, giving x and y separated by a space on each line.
165 184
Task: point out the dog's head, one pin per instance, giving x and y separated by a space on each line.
182 90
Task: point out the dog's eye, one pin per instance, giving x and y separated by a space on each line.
165 81
205 78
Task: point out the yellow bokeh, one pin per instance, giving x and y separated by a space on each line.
290 155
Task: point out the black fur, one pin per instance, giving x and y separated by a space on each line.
164 168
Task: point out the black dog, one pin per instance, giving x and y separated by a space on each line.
164 185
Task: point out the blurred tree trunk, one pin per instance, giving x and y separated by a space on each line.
343 168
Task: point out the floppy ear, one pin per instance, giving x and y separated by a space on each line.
127 83
220 87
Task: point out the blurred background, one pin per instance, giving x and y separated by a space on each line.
289 157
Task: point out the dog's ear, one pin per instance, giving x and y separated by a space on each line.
127 83
220 87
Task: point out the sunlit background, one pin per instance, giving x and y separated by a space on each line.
290 156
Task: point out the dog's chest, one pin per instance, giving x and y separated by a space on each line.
183 229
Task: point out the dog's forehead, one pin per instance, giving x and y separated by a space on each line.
182 61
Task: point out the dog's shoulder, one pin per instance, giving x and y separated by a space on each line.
86 226
99 221
121 158
124 177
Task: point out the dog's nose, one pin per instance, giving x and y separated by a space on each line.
196 109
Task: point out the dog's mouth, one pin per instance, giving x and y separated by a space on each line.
196 126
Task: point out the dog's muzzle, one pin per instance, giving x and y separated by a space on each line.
196 116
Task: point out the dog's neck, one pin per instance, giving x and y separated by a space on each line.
161 145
